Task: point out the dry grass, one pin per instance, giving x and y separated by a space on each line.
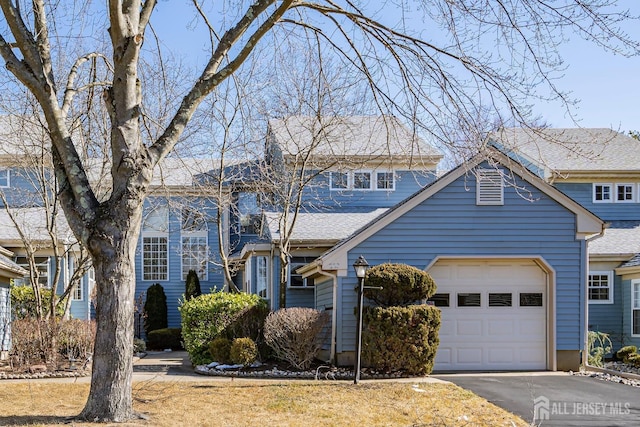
262 403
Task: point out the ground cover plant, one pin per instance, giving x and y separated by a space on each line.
267 403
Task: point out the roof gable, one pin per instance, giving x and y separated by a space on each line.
586 222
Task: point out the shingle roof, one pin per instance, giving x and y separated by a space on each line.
633 262
323 226
32 223
349 136
575 149
7 265
622 237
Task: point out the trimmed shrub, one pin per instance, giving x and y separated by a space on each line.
401 338
401 285
23 302
160 339
633 359
155 308
244 351
139 346
626 351
296 334
220 350
192 285
208 316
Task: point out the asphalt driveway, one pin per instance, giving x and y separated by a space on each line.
556 399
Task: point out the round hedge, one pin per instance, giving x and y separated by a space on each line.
401 285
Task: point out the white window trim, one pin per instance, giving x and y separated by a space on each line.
189 235
155 233
266 276
634 283
331 186
634 195
610 282
375 180
78 289
8 174
362 171
480 197
611 192
304 281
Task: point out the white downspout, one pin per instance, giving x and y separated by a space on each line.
334 314
585 353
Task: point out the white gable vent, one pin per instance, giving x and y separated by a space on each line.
489 187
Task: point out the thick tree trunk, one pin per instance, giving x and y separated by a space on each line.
110 398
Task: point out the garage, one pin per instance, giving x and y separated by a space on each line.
494 314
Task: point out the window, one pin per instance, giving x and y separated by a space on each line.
261 276
4 178
296 280
635 307
489 187
384 181
362 180
339 180
155 239
195 248
440 300
530 299
76 293
249 214
600 287
469 300
601 193
625 193
500 300
42 271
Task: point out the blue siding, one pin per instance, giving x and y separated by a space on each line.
21 191
174 287
5 317
627 338
608 318
300 297
583 194
450 223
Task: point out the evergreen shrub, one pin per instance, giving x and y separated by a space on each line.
401 285
244 351
161 339
401 338
626 351
208 316
155 308
220 350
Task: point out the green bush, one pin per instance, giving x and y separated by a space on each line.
220 350
160 339
401 338
208 316
633 359
401 285
23 302
599 345
244 351
139 346
155 308
624 353
192 285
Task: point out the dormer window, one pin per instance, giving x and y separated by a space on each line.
384 181
362 180
615 193
489 187
339 180
4 178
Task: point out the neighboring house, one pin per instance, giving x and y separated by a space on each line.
9 270
600 169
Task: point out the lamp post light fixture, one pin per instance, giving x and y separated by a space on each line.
360 266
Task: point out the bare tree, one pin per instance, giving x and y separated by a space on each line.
426 77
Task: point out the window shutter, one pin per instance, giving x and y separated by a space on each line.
489 187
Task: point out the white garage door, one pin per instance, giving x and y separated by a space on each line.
493 315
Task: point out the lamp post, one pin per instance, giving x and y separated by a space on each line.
360 266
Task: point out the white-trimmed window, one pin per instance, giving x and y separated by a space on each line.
261 276
600 287
602 193
339 180
489 187
5 178
42 265
77 294
635 307
195 247
385 181
155 244
362 180
295 279
625 193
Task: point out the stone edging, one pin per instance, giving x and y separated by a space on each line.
41 375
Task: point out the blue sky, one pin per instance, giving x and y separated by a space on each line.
606 85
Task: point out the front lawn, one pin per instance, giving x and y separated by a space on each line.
263 403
